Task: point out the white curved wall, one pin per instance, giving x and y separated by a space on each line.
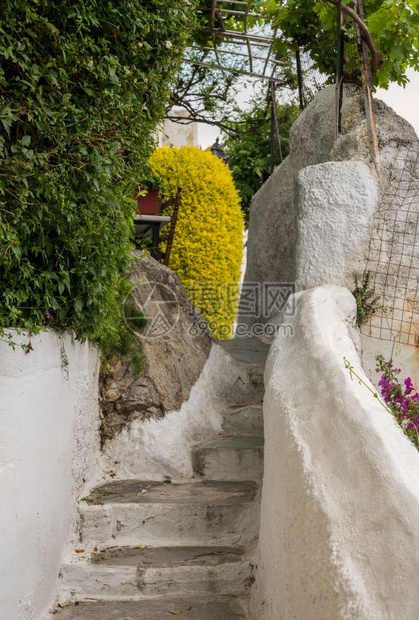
151 449
48 436
339 532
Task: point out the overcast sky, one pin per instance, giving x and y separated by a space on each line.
405 101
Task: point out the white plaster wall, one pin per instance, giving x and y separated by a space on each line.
339 534
48 437
151 449
336 202
178 134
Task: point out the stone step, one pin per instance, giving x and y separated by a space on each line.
132 512
229 458
244 419
129 573
246 350
188 608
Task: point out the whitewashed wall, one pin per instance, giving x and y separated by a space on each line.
339 534
48 441
178 134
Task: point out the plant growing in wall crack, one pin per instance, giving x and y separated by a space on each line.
366 299
399 399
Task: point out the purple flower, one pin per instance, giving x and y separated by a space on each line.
400 398
409 386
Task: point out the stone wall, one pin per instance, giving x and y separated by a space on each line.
157 447
48 449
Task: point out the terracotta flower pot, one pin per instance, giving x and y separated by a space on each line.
148 204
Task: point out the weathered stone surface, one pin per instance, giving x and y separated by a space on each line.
168 556
247 419
130 573
143 492
247 350
190 608
131 513
175 344
336 202
142 542
230 457
286 243
273 230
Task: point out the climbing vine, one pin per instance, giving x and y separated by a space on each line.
82 88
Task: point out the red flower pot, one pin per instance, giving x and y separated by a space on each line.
148 204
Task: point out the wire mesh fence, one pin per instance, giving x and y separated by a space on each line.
393 254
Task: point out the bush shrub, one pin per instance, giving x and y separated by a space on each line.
82 87
208 243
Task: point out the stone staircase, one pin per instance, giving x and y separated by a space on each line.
153 550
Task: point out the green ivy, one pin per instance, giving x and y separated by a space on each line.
83 85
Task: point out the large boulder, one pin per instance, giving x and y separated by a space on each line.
176 345
273 223
285 236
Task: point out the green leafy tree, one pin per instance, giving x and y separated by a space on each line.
210 95
311 24
249 148
82 88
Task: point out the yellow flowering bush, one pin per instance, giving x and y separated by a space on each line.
208 244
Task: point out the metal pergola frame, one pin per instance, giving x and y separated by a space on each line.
252 44
257 47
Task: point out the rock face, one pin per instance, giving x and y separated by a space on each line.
176 346
336 204
273 226
310 226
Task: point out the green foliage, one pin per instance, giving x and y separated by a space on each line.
393 24
394 27
366 299
249 150
82 87
208 243
210 95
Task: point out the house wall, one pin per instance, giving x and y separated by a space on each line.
48 446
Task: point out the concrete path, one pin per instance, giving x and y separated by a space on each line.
156 550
